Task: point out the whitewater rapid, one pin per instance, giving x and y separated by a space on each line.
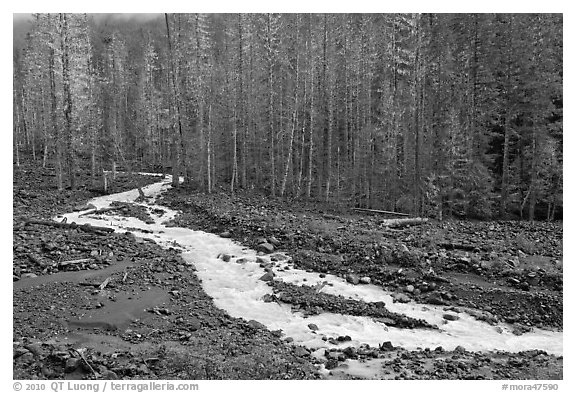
237 289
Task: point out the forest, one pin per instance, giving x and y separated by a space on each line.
438 115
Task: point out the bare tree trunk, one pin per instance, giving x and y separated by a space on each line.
270 106
16 130
70 155
302 134
533 176
56 132
505 166
311 134
242 107
234 153
209 161
180 136
44 130
294 114
330 132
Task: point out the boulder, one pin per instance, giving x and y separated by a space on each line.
450 317
266 248
269 276
274 241
401 298
387 346
353 279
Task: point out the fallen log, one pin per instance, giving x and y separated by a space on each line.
458 246
402 222
380 212
103 210
72 225
75 261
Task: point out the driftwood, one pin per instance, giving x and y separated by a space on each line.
103 210
380 212
73 225
104 284
402 222
458 246
75 261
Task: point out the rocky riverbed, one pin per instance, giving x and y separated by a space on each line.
130 304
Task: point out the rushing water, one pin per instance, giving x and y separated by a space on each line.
236 288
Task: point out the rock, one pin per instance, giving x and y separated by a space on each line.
514 262
365 280
386 346
403 248
288 339
269 276
450 317
27 358
226 257
274 241
268 298
301 351
460 349
19 352
331 364
256 325
108 374
226 235
71 365
28 275
344 338
410 288
261 260
81 207
94 253
278 257
436 300
194 324
351 352
46 372
266 248
353 279
312 327
241 260
401 298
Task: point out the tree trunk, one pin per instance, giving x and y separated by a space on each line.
55 128
209 161
175 93
294 114
234 152
70 155
329 92
505 167
16 129
270 106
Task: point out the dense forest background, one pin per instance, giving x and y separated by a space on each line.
443 115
